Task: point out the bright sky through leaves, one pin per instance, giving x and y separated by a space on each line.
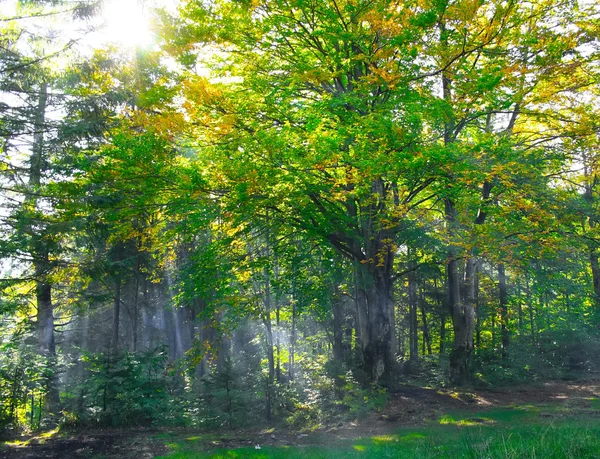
127 23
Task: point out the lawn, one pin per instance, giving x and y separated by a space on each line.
521 432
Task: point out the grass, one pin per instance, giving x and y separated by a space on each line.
40 438
517 432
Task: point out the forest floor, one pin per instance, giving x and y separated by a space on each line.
411 415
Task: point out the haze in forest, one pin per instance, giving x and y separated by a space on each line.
252 215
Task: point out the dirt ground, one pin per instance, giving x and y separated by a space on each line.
408 407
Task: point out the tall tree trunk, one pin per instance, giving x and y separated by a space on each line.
293 339
588 196
520 307
595 279
426 337
136 298
378 347
462 313
47 346
503 294
362 315
269 341
373 256
277 342
413 338
277 324
338 344
463 320
442 308
531 308
114 342
477 313
41 257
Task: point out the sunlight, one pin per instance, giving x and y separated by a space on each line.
127 23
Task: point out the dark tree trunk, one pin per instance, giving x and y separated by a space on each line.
442 308
135 303
426 337
372 254
531 308
461 312
379 343
589 198
413 338
520 306
478 314
595 279
41 258
338 344
293 340
47 346
114 344
277 342
463 320
503 294
362 315
269 342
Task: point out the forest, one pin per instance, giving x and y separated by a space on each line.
290 228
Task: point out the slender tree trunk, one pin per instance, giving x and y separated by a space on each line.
503 294
199 333
136 298
269 342
463 318
595 278
114 344
530 307
362 315
293 340
277 342
520 307
412 317
592 221
277 325
442 308
338 345
477 313
47 346
426 337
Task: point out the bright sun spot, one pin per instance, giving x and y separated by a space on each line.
127 23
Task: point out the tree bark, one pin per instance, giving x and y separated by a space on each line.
293 340
463 321
531 309
41 258
47 346
426 337
442 308
520 306
595 278
379 343
269 342
503 294
412 317
338 345
114 344
362 315
371 251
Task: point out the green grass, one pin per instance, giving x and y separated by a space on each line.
502 433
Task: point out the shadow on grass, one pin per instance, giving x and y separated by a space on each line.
500 433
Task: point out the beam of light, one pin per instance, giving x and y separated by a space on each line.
126 23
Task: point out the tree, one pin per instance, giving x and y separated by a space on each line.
321 126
